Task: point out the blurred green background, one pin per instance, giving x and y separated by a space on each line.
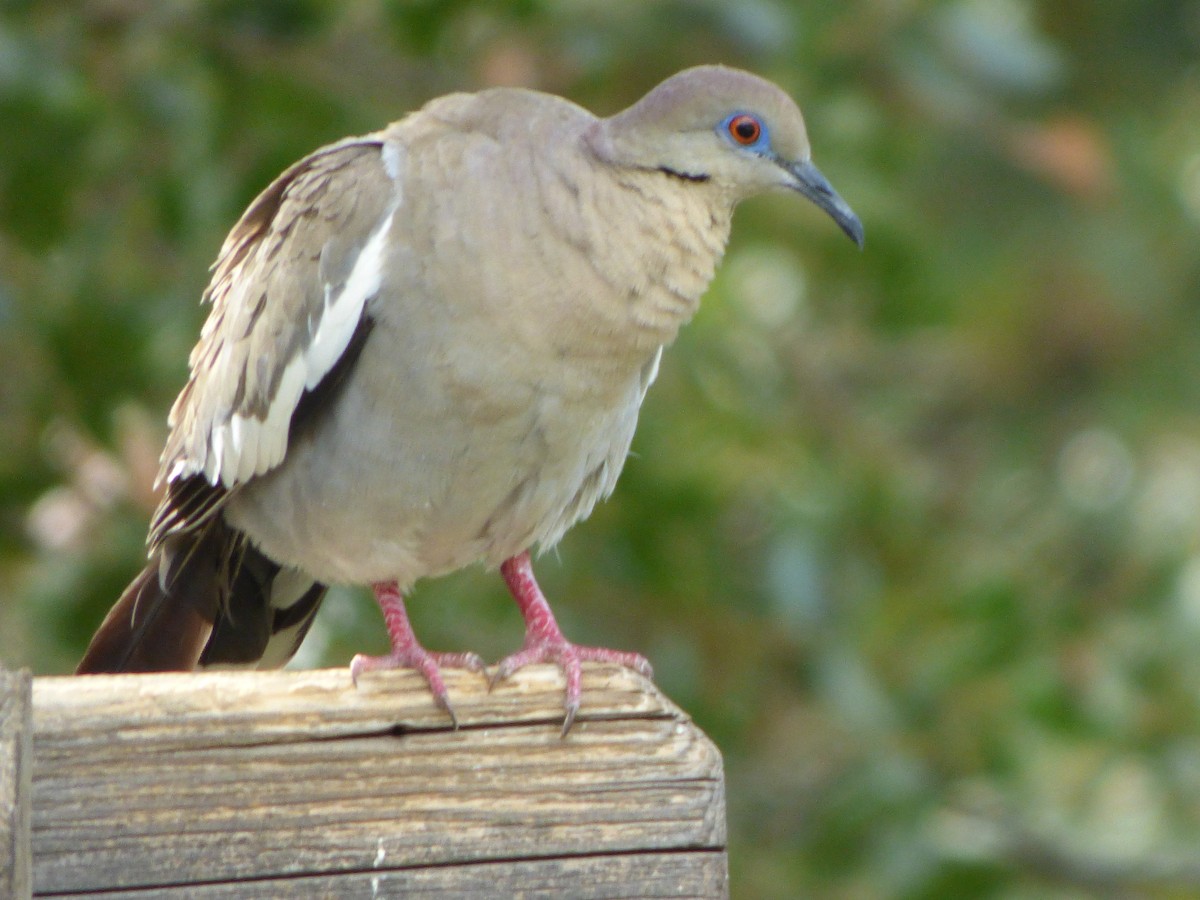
914 534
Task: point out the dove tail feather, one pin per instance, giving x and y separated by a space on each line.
205 598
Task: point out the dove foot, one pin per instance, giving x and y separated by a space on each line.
544 640
407 652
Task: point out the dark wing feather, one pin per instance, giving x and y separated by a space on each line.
275 330
278 343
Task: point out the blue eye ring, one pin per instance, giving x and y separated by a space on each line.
745 129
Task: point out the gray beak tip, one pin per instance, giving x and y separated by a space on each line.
853 228
816 187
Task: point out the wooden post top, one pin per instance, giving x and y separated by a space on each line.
297 784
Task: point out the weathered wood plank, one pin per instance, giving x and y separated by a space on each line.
16 764
188 780
697 873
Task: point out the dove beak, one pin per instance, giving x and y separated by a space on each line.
808 180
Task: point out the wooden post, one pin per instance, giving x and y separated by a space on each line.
296 784
16 759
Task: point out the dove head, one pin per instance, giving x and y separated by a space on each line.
726 128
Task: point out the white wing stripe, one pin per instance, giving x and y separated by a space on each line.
245 446
649 373
341 317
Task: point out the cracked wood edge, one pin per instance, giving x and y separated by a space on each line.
215 779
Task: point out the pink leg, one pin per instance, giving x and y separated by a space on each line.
407 653
544 641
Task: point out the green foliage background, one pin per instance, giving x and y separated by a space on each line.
914 534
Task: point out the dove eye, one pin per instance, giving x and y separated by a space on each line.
745 129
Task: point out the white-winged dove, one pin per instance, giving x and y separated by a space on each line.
427 348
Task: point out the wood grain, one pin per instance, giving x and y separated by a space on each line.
644 875
298 784
16 764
